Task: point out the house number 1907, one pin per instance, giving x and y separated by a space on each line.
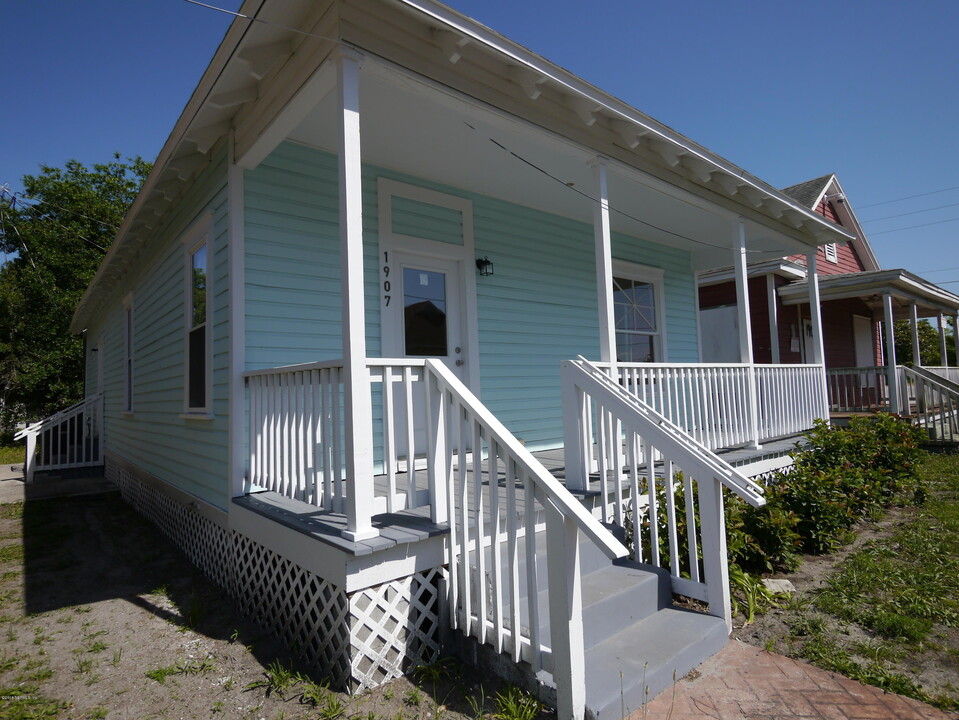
386 278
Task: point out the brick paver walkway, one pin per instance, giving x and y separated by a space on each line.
745 683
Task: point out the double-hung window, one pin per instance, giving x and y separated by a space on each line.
197 380
638 313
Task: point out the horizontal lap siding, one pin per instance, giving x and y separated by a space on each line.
538 309
189 454
292 249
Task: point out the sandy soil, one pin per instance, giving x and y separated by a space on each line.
93 599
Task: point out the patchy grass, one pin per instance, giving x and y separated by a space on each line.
889 614
12 454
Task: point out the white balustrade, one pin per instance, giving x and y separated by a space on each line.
864 389
712 401
935 403
645 462
949 373
71 438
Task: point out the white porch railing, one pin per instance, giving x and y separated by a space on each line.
640 454
712 402
864 389
69 439
475 476
936 403
949 373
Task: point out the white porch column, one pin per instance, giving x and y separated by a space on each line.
604 267
891 374
358 415
914 326
239 454
773 318
815 314
604 288
955 336
943 356
745 328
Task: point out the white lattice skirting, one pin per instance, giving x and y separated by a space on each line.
358 640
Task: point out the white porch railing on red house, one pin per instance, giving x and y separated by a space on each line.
949 373
714 403
71 438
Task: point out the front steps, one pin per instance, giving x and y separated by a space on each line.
637 643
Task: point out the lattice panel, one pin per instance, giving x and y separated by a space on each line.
358 642
394 627
309 613
203 541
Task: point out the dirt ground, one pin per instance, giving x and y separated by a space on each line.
101 617
934 666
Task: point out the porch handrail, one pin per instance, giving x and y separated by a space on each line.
456 414
729 404
632 434
70 438
937 403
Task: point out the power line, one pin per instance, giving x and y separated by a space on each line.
264 22
46 218
913 212
569 186
939 270
910 227
908 197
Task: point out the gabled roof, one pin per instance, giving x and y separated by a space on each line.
809 193
277 62
812 192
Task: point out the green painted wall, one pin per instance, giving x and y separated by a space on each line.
536 311
189 454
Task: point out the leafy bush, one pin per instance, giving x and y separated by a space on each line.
841 476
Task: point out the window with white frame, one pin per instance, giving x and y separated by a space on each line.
128 353
638 313
198 329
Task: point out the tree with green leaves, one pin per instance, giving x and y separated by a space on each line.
929 347
57 231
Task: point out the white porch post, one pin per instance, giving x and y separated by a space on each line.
943 356
745 328
604 288
237 406
604 267
773 317
914 326
955 336
358 414
815 314
891 374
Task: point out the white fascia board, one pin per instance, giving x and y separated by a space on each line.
860 242
899 283
615 107
231 41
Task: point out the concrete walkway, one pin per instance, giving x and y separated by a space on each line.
744 682
14 489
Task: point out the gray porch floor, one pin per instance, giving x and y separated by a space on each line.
413 525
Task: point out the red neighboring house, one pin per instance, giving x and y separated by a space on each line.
854 292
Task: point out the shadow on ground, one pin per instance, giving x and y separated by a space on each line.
84 549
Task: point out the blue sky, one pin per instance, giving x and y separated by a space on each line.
789 91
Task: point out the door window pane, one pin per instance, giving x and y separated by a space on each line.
424 312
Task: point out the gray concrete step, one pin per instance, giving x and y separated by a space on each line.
645 658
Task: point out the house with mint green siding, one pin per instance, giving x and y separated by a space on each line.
401 332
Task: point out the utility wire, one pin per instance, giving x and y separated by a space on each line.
908 197
70 231
939 270
264 22
22 196
910 227
913 212
569 186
